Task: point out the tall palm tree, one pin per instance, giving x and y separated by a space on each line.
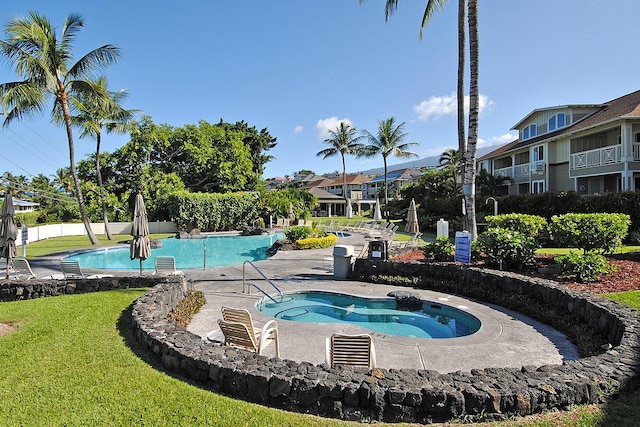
63 181
388 141
42 59
96 110
343 140
467 147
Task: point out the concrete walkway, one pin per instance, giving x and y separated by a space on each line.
506 338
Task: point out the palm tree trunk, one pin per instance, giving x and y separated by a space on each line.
344 183
74 173
462 45
386 190
103 199
470 155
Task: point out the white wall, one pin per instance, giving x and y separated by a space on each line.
58 230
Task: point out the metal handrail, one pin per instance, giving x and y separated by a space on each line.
244 282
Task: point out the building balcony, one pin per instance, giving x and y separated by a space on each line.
598 157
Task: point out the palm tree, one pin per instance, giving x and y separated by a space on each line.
343 140
63 181
467 147
43 61
450 159
97 110
389 141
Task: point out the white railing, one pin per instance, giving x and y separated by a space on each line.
522 170
48 231
598 157
504 171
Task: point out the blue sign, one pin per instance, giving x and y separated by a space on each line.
25 233
463 247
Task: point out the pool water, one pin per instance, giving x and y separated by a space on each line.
189 253
376 314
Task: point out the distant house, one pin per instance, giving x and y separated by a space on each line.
396 180
23 206
588 148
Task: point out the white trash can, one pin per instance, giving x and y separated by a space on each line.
342 255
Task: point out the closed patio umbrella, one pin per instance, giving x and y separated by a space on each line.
377 215
412 219
140 245
349 212
8 231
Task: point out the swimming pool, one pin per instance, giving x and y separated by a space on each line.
434 321
210 251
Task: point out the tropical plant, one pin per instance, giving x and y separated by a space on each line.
96 110
343 140
450 161
466 147
388 141
42 59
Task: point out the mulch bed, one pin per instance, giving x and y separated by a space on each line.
626 278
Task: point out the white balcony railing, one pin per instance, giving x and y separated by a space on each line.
598 157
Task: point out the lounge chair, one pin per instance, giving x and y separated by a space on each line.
279 223
71 270
352 350
22 269
238 330
166 265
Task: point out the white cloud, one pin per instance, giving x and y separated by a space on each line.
298 129
497 140
324 125
437 106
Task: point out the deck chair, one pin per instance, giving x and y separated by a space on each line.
352 350
166 265
22 269
259 338
71 270
279 223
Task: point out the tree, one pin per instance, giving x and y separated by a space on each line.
100 109
388 141
450 161
43 61
467 147
344 139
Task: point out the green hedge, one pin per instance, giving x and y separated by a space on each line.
211 212
318 242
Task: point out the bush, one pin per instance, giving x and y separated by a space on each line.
597 232
440 250
317 242
293 234
506 248
584 266
529 225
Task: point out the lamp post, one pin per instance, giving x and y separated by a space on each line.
495 204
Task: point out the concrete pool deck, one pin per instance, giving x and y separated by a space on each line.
506 338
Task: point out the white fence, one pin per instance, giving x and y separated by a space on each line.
58 230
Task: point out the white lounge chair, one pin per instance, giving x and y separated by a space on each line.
352 350
238 330
22 269
166 265
71 270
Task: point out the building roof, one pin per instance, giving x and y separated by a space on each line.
399 174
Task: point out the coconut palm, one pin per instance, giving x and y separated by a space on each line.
450 160
467 147
388 141
43 61
96 110
343 140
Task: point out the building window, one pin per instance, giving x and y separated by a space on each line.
537 187
538 153
529 132
556 121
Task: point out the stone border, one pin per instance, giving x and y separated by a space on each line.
406 395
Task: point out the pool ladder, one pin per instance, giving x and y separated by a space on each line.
246 287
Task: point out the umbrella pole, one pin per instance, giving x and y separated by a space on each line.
141 267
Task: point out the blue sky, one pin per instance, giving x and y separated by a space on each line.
298 67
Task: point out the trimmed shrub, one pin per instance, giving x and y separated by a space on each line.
507 249
597 232
440 250
317 242
585 267
528 225
293 234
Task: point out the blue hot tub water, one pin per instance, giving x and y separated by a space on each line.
376 314
189 253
